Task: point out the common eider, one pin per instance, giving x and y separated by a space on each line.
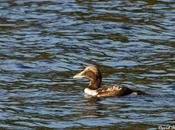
94 88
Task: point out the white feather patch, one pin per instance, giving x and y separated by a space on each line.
90 92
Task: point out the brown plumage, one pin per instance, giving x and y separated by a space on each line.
94 88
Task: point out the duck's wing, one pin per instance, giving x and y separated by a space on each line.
116 90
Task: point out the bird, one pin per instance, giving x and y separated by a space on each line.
95 89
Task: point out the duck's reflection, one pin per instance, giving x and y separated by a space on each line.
90 100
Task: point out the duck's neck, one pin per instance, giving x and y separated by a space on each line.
95 84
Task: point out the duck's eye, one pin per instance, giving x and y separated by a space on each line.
90 74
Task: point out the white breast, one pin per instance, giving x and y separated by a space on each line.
90 92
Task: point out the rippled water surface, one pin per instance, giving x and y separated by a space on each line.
43 43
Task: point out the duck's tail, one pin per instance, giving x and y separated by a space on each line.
139 92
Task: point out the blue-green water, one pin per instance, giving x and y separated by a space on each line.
43 43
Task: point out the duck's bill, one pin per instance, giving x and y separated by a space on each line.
79 75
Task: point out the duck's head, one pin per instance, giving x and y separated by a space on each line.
93 74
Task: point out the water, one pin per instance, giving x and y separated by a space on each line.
44 43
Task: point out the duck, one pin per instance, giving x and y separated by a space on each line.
95 89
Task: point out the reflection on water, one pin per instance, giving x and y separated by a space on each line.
44 43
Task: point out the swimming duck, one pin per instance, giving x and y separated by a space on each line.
94 88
